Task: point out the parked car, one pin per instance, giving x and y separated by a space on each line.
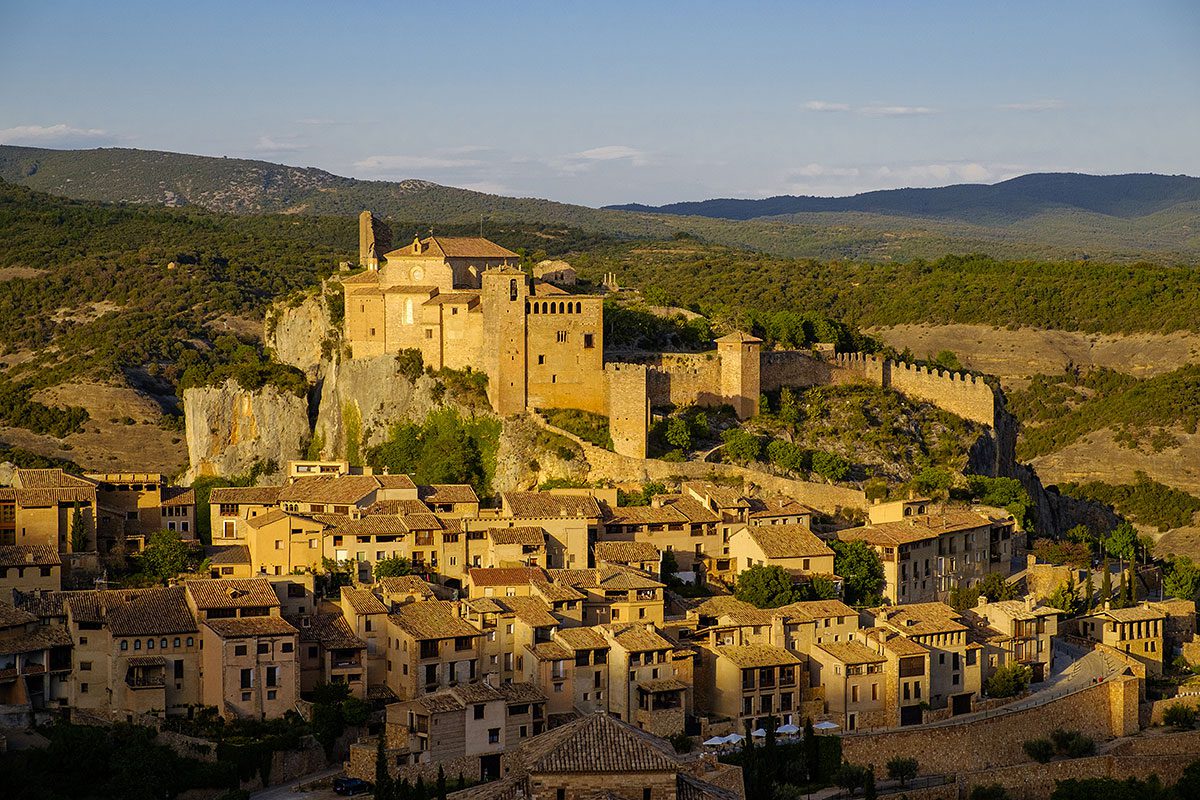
351 786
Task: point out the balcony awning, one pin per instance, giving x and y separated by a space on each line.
147 661
662 686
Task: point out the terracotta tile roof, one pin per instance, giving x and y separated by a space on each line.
173 496
42 498
818 609
504 576
739 612
406 584
447 493
378 525
227 554
43 605
581 639
644 515
637 638
432 619
776 506
691 787
455 247
134 612
609 577
625 552
146 661
533 611
247 627
693 510
397 481
556 592
549 651
396 507
224 593
1138 613
485 605
543 505
523 535
41 638
521 693
453 299
597 743
851 652
49 479
330 630
890 640
329 489
921 619
245 495
11 616
266 518
723 496
739 337
787 541
422 522
916 529
364 601
663 685
32 555
362 279
757 655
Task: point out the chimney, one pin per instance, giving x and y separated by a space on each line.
983 601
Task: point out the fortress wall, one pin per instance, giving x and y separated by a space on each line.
965 395
1103 712
779 368
681 379
605 465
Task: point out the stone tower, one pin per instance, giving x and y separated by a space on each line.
374 239
739 354
628 408
503 297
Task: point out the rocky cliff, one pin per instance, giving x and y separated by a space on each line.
228 428
301 331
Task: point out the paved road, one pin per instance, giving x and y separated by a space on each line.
289 791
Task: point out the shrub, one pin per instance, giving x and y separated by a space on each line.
410 364
1040 750
830 466
741 446
1181 716
988 791
788 456
1072 744
902 769
1009 680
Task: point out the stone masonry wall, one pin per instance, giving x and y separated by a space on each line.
628 411
1102 712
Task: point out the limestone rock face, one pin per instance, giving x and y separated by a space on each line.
528 457
303 334
364 397
229 428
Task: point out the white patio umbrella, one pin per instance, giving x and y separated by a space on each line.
758 733
826 726
734 738
715 741
788 730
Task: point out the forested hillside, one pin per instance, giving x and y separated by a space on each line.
1067 295
1125 225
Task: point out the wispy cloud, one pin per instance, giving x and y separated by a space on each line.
876 110
285 144
823 171
897 111
846 179
822 106
587 160
1048 104
391 164
319 121
60 135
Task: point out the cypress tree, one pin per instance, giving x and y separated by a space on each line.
869 783
441 783
1106 585
1089 590
405 792
812 750
420 792
1133 585
383 778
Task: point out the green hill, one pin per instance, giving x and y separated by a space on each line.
1000 227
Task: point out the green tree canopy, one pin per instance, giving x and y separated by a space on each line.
861 570
766 587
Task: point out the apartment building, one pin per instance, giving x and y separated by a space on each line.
330 653
644 688
39 508
430 647
852 678
792 547
1017 632
29 568
675 523
35 662
752 682
1136 631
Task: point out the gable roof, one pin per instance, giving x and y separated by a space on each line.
758 655
625 552
249 627
447 493
245 495
504 576
29 555
524 535
364 601
209 593
542 505
332 489
597 743
917 528
134 612
787 541
454 247
432 619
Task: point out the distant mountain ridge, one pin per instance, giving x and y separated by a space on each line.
1052 216
1126 196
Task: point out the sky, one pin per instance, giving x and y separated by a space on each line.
614 102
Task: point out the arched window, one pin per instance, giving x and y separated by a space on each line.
408 311
512 289
554 308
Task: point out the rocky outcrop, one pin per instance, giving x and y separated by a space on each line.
229 428
301 331
360 398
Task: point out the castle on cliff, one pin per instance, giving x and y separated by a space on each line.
464 302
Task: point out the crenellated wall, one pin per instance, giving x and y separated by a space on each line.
680 379
967 396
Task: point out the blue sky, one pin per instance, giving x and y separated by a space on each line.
619 102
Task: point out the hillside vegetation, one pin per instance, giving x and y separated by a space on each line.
1044 229
724 282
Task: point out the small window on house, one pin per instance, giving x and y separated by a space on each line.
239 650
589 341
478 711
562 337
